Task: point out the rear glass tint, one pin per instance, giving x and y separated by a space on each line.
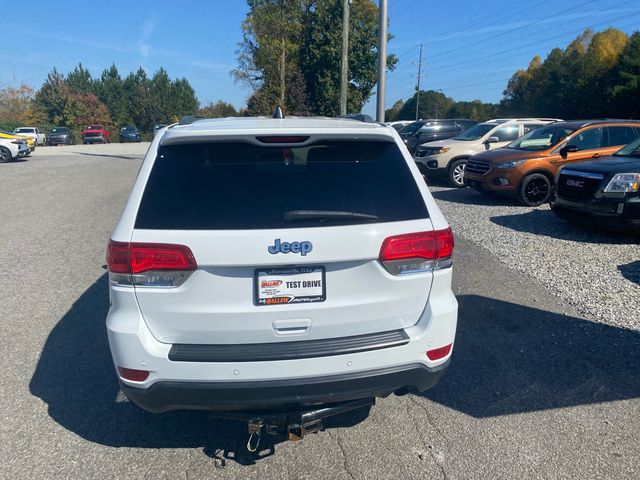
240 186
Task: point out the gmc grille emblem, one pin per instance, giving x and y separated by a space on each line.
575 183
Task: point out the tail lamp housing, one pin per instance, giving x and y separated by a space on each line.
417 252
149 264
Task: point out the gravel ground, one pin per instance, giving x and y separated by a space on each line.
598 272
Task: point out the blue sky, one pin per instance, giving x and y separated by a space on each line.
471 47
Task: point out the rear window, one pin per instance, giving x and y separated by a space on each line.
240 186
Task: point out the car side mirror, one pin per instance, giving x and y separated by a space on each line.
492 140
568 149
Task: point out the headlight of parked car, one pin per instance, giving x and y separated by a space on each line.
623 183
510 164
443 150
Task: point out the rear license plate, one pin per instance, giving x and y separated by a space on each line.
276 286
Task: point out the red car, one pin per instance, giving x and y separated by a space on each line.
95 134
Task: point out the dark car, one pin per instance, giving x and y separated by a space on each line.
157 127
129 134
603 192
423 131
60 136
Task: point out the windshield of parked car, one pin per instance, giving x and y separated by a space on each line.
129 129
23 130
541 138
476 132
94 127
60 130
412 128
631 150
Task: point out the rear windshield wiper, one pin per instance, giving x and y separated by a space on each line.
293 215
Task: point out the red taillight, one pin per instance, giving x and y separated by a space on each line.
149 264
118 257
434 245
283 139
133 374
141 257
438 353
158 256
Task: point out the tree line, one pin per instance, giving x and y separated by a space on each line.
76 100
596 75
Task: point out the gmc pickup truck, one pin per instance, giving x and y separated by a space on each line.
95 134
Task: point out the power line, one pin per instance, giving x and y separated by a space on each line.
446 67
484 40
497 19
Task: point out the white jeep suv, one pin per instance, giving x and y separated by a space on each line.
268 265
449 157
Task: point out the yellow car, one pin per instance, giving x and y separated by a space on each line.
31 142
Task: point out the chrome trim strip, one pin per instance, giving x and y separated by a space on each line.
575 173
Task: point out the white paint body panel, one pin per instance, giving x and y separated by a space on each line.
215 304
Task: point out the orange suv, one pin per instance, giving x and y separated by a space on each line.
527 167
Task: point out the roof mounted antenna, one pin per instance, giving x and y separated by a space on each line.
278 113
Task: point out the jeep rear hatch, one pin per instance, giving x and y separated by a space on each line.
287 239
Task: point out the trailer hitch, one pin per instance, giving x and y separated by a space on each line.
294 424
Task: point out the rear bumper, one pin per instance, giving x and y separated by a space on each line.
276 395
610 213
262 381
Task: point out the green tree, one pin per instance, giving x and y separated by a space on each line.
391 114
182 99
625 89
219 109
321 51
110 90
52 98
290 55
140 101
268 55
432 105
160 90
79 80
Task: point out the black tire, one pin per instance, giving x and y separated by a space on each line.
455 173
5 155
535 190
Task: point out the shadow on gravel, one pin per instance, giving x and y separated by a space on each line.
469 196
76 379
511 358
544 222
631 271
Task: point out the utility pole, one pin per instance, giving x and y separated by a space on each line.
418 86
382 60
344 66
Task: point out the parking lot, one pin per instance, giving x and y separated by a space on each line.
544 382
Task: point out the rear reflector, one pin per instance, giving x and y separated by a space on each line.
133 375
129 262
438 353
283 139
417 252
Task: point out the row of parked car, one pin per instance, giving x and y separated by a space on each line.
589 170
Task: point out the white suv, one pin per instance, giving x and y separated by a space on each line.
449 157
276 265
